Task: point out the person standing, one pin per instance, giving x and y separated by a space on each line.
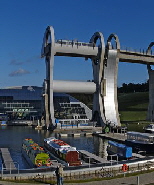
57 175
61 174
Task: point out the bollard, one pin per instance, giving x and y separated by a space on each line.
138 180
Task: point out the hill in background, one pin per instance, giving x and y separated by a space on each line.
132 106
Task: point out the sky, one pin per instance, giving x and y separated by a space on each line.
23 23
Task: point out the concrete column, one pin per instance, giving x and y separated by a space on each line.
98 71
150 113
48 53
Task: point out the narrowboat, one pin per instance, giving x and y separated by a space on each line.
35 155
63 151
121 150
140 141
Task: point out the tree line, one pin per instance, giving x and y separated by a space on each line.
131 87
87 99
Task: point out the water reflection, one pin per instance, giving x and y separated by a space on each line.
12 136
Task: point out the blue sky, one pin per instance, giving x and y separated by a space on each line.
23 23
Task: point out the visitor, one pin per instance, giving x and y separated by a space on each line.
61 174
57 175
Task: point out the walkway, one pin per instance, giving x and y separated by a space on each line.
144 179
14 183
119 137
92 157
7 160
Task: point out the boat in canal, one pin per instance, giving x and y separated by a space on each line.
140 141
35 155
63 151
149 128
121 150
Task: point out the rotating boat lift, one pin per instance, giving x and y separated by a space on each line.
105 61
101 63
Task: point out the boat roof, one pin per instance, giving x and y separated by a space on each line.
120 145
140 134
58 144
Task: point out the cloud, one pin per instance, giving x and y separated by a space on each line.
19 72
15 62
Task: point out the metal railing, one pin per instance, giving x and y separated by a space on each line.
10 168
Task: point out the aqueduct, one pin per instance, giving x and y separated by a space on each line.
105 59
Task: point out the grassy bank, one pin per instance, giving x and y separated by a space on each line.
133 109
133 106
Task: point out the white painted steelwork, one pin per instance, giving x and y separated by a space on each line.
110 85
105 69
74 87
51 48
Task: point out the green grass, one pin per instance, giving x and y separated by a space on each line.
133 106
23 181
133 115
127 100
133 109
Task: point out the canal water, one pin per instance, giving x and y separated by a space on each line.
11 137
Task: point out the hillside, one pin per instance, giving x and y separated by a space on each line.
133 106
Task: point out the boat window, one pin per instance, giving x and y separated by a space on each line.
149 127
146 139
151 140
70 43
84 44
131 137
140 137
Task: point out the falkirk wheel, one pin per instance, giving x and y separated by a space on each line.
105 59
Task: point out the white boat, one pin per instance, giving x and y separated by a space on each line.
149 128
140 141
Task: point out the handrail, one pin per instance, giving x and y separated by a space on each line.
10 169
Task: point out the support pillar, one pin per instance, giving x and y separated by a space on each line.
98 71
150 113
48 53
110 79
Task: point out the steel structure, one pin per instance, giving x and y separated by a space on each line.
51 48
105 61
110 79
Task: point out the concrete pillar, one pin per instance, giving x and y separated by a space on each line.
150 113
48 53
98 72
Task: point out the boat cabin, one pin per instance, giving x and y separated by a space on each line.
140 137
149 128
119 149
